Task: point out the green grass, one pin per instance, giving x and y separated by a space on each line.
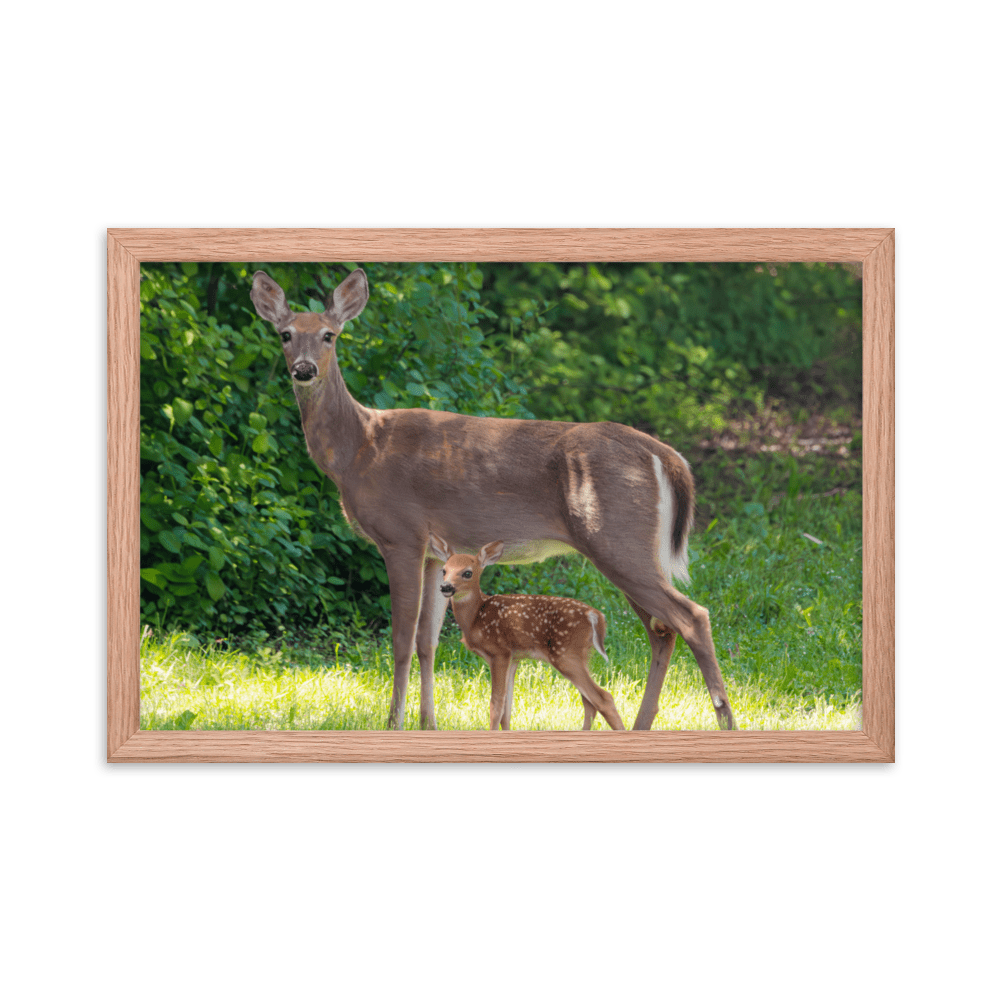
786 617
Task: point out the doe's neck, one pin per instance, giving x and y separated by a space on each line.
332 420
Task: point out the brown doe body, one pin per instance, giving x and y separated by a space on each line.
618 496
504 629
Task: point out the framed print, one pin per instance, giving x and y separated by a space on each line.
873 248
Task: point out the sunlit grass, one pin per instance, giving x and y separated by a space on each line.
786 614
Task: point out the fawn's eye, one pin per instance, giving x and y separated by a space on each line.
285 336
467 575
328 337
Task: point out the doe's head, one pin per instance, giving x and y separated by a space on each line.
460 573
308 337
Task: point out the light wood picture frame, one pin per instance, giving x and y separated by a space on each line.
873 248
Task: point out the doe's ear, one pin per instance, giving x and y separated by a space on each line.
269 300
348 299
489 554
440 549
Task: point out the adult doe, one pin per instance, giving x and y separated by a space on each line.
620 497
506 628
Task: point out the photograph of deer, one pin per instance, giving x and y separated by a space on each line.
615 494
506 628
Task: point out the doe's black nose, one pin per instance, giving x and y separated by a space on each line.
304 371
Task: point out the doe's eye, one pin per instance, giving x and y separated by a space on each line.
286 336
328 337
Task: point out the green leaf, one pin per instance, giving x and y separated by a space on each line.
261 443
215 444
216 557
214 585
191 564
182 410
154 577
257 421
169 541
189 268
171 572
148 520
242 360
184 720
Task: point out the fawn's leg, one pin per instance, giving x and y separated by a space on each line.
508 704
500 667
574 667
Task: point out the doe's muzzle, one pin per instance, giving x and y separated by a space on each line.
304 371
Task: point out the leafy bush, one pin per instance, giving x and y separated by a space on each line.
668 347
239 528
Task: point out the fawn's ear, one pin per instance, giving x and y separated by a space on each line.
269 300
440 549
348 299
489 554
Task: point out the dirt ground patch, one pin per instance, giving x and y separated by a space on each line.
775 429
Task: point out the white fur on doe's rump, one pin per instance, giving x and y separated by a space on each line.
595 638
673 565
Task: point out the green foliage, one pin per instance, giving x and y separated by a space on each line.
239 528
667 347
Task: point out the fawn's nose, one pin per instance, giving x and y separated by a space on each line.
304 371
447 589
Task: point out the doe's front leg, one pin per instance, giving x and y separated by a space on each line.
405 571
433 606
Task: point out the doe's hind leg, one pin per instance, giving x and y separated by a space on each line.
678 614
661 645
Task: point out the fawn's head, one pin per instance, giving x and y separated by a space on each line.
308 338
460 574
